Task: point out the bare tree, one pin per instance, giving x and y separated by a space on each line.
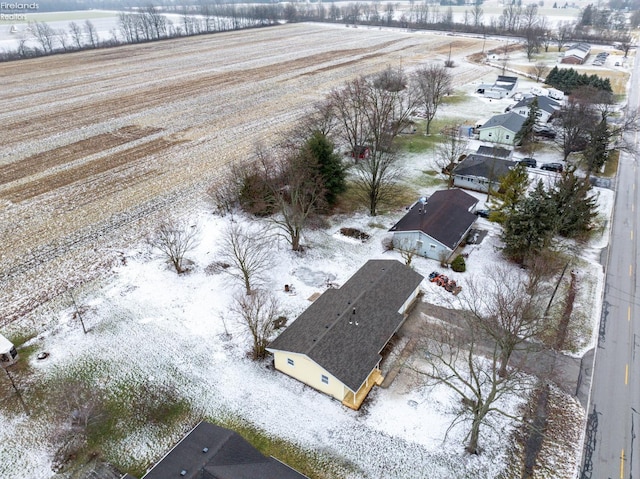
375 177
458 358
505 306
575 119
476 14
76 34
432 84
540 71
174 240
45 35
91 33
563 35
372 111
247 251
349 104
450 151
63 38
296 189
257 312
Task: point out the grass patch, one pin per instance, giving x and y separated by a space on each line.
455 99
428 179
611 166
417 143
309 463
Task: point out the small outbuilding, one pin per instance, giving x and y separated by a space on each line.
8 352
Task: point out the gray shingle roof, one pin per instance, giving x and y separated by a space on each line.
445 217
345 344
494 152
511 121
213 452
483 167
544 103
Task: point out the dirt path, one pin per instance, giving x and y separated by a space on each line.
97 145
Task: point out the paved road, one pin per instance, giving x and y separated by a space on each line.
613 433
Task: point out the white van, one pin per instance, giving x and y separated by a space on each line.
8 353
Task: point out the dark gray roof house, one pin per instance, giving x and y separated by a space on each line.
546 105
443 220
494 152
213 452
478 173
335 345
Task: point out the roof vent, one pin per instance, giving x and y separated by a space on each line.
205 450
183 472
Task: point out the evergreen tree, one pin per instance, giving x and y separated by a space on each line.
513 187
526 134
597 151
329 165
574 204
530 227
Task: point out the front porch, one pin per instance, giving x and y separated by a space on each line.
354 401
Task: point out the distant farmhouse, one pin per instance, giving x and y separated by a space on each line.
546 108
503 87
502 128
479 172
213 452
336 344
436 226
576 54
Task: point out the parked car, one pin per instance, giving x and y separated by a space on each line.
528 162
483 213
557 167
545 133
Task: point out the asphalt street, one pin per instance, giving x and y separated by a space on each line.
612 445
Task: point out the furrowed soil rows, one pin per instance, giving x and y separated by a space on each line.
98 145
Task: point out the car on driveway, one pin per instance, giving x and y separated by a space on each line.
483 213
528 162
557 167
545 133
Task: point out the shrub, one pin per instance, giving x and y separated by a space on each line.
458 264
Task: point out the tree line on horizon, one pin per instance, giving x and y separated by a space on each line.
150 23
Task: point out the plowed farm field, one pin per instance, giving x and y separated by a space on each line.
98 146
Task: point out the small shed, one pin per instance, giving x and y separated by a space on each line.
8 353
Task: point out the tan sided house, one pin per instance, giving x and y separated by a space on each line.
335 345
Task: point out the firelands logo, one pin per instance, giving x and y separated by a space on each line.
16 9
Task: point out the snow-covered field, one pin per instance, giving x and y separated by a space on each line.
150 326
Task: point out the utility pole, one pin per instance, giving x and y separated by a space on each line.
15 388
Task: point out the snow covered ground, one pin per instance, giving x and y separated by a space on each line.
148 325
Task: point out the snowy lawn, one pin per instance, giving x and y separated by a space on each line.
151 330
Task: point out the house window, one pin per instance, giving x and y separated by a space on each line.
290 361
419 245
432 246
507 137
325 379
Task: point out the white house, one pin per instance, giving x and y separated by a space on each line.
435 227
502 128
503 87
546 108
